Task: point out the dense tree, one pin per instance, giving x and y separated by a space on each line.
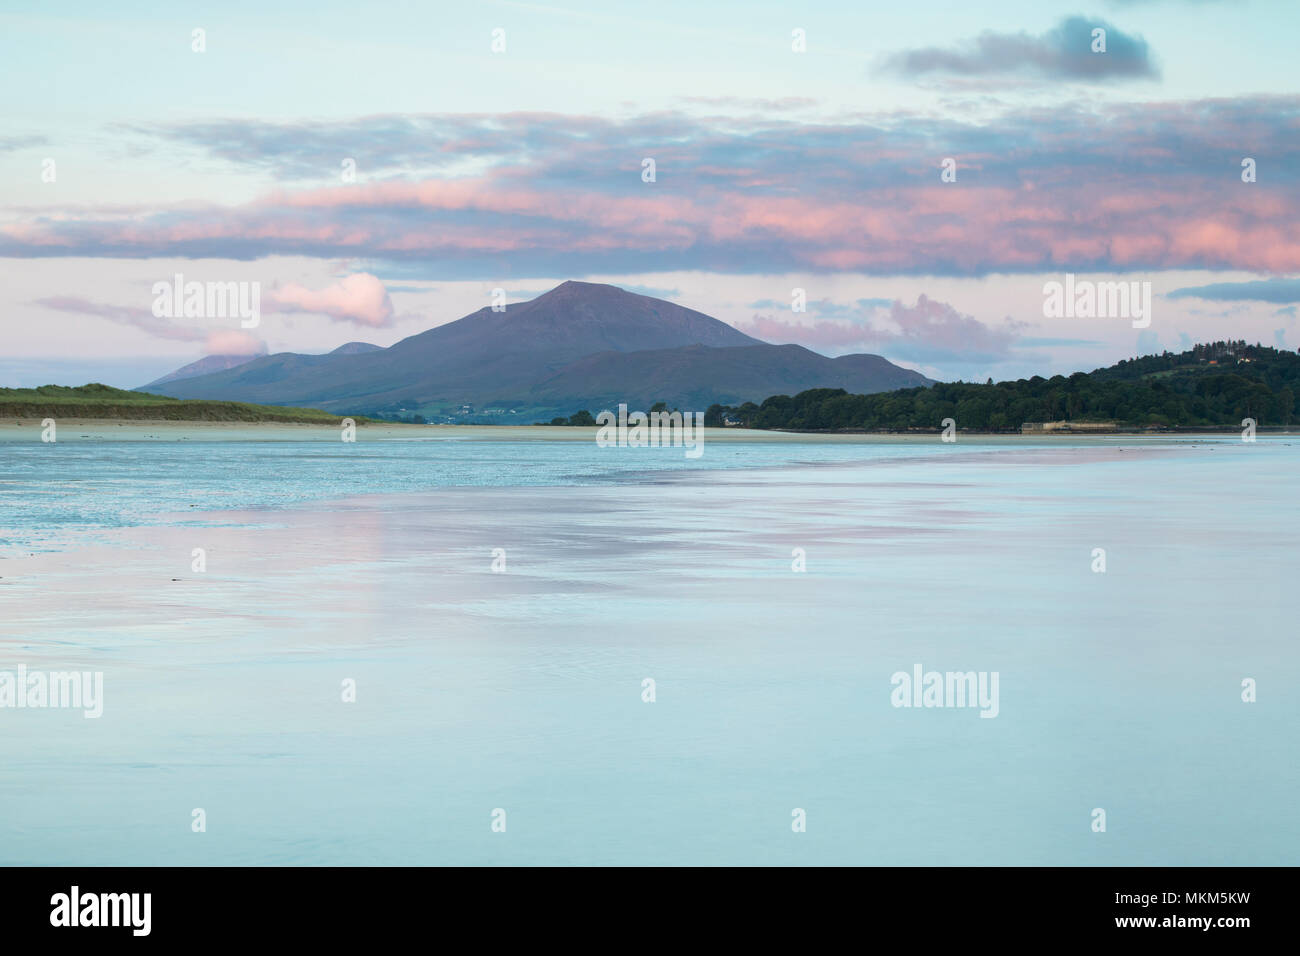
1216 384
577 419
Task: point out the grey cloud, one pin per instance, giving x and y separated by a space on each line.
1064 52
1261 290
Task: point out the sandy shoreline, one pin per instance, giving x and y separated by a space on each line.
80 429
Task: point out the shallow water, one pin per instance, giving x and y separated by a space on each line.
522 690
52 495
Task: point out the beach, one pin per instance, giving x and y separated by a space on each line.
498 636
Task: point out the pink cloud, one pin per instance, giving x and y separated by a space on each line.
968 230
1082 190
359 297
818 335
233 342
928 330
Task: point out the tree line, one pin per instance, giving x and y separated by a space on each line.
1217 384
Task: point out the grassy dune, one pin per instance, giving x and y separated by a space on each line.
102 401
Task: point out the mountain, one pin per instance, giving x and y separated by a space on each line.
697 376
356 348
204 366
579 344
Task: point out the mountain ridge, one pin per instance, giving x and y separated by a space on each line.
544 354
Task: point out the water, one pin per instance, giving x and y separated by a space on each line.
53 495
522 690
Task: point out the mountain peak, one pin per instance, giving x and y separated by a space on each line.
355 348
572 288
581 318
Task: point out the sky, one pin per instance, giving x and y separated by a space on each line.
380 168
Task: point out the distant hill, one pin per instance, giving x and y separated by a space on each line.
220 363
102 401
544 356
204 366
1209 386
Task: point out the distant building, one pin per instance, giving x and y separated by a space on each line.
1031 428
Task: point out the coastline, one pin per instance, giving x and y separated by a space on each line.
96 429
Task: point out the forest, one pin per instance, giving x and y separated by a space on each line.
1212 385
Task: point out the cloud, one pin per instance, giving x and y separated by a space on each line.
826 336
215 342
1096 188
1058 343
359 297
827 308
935 331
1064 53
9 144
1261 290
233 342
929 331
132 316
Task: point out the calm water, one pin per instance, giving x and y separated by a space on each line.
523 690
52 495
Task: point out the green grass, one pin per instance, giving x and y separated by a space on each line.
102 401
